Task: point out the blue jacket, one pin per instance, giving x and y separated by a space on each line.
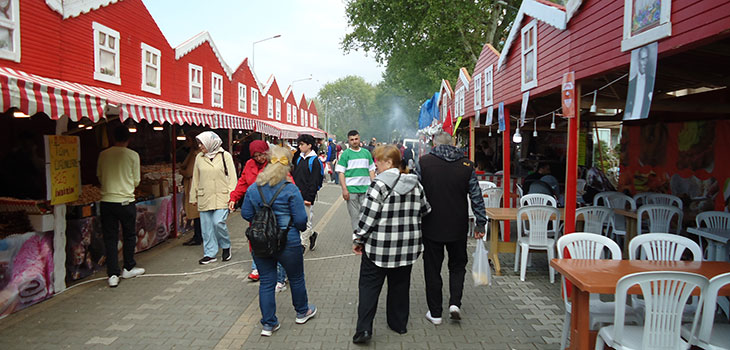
288 205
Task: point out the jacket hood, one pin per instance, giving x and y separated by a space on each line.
404 184
448 153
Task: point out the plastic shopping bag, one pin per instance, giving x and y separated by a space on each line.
480 270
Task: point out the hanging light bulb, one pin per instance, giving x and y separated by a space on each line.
20 114
180 135
158 127
593 106
517 138
490 130
89 127
534 131
81 125
132 128
552 125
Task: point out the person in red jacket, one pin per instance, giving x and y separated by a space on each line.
259 158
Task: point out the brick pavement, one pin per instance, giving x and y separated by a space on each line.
219 309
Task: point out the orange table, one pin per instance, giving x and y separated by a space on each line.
601 276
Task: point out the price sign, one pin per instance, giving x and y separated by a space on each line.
63 168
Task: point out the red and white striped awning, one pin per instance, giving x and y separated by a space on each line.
32 94
229 121
286 131
266 128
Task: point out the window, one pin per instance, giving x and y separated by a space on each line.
288 112
304 118
314 121
216 99
488 87
241 98
477 92
195 75
271 108
254 101
459 102
529 56
645 22
444 106
278 109
106 54
150 69
10 31
294 114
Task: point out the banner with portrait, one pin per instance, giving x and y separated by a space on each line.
641 82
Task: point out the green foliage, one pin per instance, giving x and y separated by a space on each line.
424 41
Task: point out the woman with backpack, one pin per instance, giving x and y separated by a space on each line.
214 177
288 207
388 236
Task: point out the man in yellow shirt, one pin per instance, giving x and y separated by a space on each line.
119 174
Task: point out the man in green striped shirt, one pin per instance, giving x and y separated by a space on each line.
356 170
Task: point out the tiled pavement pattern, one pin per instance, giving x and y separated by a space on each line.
219 309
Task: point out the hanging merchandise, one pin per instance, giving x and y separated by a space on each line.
523 111
500 116
456 126
448 123
490 112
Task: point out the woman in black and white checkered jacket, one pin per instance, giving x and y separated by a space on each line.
389 235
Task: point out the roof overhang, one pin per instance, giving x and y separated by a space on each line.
192 43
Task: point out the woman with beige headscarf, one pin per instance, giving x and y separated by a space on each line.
214 177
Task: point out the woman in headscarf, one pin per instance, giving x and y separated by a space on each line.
288 207
186 170
214 177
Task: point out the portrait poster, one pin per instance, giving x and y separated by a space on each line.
490 113
523 111
641 82
500 116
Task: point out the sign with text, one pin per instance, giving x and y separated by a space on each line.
568 95
63 168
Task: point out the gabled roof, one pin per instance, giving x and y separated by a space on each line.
269 84
192 43
464 77
445 88
287 93
246 64
303 103
73 8
313 107
541 10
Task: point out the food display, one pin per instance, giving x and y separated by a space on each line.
89 194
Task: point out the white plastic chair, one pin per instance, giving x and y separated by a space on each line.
663 247
538 217
713 219
642 198
616 200
594 218
493 199
665 199
486 185
538 199
660 218
711 336
586 245
666 293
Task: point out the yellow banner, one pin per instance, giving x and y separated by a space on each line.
63 172
582 138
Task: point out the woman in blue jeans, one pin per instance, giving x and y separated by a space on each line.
288 206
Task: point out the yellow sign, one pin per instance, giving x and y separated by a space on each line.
582 137
63 171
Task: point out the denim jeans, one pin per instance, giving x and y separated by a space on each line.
215 231
292 259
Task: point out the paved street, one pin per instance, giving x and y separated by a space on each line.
216 307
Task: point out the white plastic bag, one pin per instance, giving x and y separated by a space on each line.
480 270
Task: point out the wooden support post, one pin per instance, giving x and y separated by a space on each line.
472 140
571 165
506 188
173 138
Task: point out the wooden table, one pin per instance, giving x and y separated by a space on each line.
496 246
631 229
601 276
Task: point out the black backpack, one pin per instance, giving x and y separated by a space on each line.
264 235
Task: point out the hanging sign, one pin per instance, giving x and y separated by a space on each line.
568 95
63 170
523 112
500 116
490 112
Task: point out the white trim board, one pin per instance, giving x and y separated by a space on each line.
192 43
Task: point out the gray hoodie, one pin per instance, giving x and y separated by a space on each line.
404 183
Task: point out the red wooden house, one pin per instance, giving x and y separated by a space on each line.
313 115
292 107
303 112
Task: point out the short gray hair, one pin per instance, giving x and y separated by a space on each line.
442 138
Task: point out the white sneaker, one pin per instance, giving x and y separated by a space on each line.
267 331
113 281
434 320
280 287
134 272
455 312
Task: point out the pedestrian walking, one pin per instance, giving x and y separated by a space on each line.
118 171
448 178
308 177
389 239
331 160
288 206
356 170
214 177
186 170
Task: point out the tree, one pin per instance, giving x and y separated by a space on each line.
424 41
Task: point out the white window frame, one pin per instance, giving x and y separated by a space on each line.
477 79
444 106
242 100
254 101
288 112
459 103
12 24
152 51
315 121
305 118
524 51
270 113
192 69
99 28
216 87
663 30
489 86
278 109
294 114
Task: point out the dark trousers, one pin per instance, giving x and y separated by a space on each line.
371 282
112 214
433 256
198 232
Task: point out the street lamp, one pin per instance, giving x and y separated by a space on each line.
303 79
253 48
327 116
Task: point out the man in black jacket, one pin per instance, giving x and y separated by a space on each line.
448 178
308 176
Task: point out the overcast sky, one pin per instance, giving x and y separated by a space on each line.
310 31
